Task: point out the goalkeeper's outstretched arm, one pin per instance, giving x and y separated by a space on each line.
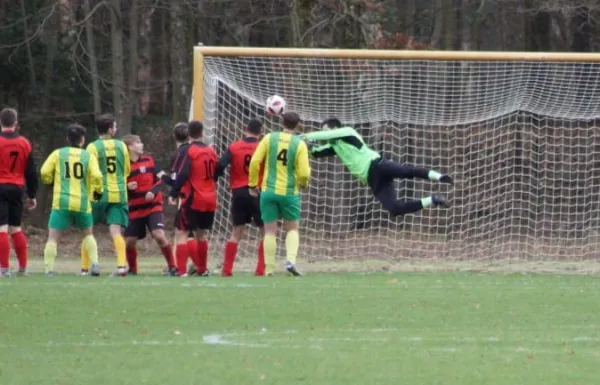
322 151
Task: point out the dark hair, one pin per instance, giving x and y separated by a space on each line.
332 123
180 132
291 120
8 117
195 129
74 134
254 126
104 123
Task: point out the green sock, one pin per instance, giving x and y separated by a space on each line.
91 247
50 255
426 202
434 175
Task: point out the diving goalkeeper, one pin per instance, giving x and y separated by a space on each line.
371 168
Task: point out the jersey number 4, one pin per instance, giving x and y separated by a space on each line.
282 156
76 171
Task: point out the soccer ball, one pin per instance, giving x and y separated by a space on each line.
275 105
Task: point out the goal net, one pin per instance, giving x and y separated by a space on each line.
520 138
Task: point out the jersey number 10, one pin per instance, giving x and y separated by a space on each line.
76 171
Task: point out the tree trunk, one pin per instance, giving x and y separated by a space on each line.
91 49
118 81
31 64
449 25
178 51
438 25
132 74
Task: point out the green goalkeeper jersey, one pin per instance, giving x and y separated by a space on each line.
349 146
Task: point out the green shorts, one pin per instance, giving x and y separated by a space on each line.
63 219
110 213
274 207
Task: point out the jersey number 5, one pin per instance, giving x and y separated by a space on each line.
111 164
282 156
77 170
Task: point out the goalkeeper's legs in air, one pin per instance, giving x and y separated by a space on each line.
386 194
385 169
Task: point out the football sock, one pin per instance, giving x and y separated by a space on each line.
192 250
50 255
85 258
270 245
132 259
4 250
119 242
230 253
260 264
426 202
292 243
202 256
181 257
434 175
91 248
167 252
20 245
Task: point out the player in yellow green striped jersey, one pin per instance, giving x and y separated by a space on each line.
284 159
77 180
115 166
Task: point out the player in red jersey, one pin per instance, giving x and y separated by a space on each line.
244 207
145 205
17 172
196 178
186 245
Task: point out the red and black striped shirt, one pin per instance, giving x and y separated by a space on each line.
143 171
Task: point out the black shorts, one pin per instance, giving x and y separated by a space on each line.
11 205
244 208
137 227
188 219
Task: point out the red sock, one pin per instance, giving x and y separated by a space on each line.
260 264
202 257
192 247
181 257
167 252
20 245
132 259
4 250
230 252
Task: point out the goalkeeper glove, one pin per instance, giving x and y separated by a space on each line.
97 196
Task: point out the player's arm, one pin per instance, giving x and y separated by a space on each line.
302 166
322 151
330 134
94 178
257 159
31 178
127 160
48 168
222 164
168 179
91 148
181 176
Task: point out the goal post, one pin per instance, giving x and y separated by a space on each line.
519 131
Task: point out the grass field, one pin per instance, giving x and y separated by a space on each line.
347 328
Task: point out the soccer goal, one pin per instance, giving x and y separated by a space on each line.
519 132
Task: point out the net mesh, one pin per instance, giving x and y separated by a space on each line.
520 138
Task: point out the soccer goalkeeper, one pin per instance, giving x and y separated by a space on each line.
369 167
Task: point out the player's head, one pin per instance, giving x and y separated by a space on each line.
76 135
331 123
291 121
180 132
106 125
134 144
9 119
195 129
253 128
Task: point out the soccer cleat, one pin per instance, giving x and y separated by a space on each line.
22 272
5 273
225 274
95 270
446 179
205 274
192 270
292 269
131 272
173 271
49 274
121 272
184 275
439 200
84 272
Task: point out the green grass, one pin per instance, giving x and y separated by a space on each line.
379 328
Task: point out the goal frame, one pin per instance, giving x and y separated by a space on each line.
197 102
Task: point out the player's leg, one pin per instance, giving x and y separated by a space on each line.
231 248
201 223
391 169
181 242
192 247
117 217
241 214
260 262
19 241
291 212
136 229
58 221
386 195
155 223
85 222
4 241
270 213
